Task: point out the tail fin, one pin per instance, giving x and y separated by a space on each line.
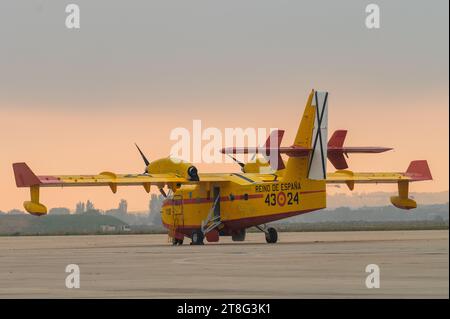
274 139
273 156
311 134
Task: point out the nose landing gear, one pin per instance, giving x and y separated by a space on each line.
271 235
270 232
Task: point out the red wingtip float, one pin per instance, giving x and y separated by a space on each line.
335 154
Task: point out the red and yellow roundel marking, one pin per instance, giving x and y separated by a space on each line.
281 198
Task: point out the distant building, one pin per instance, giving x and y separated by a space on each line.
16 212
59 211
123 206
80 208
155 206
89 206
125 228
120 212
111 228
107 228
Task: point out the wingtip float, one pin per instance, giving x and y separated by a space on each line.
211 205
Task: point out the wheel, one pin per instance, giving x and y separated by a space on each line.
176 242
239 236
271 235
197 237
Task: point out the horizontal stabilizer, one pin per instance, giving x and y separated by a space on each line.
337 139
337 159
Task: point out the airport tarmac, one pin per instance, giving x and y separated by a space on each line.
412 264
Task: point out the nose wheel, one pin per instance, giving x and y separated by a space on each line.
270 232
271 235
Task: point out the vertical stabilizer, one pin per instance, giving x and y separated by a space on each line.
311 134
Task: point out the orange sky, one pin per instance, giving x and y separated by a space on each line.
73 142
75 101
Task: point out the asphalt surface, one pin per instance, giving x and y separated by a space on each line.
412 264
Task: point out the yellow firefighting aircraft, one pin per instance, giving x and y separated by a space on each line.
208 206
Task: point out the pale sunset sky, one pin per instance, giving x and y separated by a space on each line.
75 101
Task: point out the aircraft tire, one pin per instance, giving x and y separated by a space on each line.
176 242
197 238
271 235
240 236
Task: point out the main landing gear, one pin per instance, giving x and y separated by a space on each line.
239 235
197 237
177 242
271 234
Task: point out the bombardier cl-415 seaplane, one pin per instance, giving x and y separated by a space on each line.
211 205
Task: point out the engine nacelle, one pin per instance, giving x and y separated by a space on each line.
170 165
258 166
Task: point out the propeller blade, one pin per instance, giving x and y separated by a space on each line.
146 161
239 162
161 190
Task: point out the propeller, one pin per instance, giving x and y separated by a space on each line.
161 190
146 161
242 165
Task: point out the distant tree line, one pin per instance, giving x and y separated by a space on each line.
153 216
436 213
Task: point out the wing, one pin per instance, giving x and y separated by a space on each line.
417 171
25 177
